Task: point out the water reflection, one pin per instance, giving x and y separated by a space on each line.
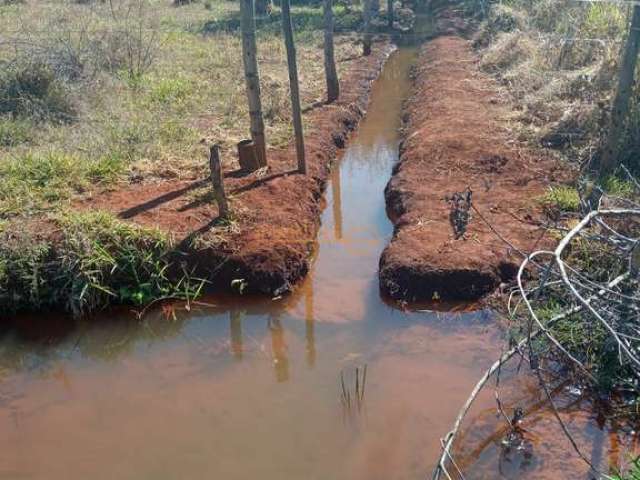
336 203
279 348
235 333
309 325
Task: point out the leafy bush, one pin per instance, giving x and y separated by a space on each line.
618 187
33 91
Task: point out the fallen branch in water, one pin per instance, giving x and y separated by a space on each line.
586 293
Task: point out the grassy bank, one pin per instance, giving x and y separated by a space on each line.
84 262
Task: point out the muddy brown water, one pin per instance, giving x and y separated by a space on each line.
250 388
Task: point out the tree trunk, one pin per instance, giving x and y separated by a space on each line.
367 39
293 85
374 5
333 85
390 13
620 107
217 182
252 78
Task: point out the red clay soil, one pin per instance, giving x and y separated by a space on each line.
456 137
277 215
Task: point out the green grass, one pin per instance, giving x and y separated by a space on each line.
88 261
37 182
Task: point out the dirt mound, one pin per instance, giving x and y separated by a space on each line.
455 142
277 215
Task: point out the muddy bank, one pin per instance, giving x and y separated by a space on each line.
456 138
269 242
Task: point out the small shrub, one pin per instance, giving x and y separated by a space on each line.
277 105
604 20
130 49
33 91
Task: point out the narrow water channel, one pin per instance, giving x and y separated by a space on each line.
246 389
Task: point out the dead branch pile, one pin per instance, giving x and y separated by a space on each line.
578 306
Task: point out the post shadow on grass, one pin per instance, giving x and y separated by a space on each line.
136 210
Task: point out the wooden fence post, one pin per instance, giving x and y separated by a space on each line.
252 78
331 75
217 182
367 39
293 85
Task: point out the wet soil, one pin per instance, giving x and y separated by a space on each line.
270 241
456 138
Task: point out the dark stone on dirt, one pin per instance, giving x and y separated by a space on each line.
338 140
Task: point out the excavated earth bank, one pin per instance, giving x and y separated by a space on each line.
277 215
456 137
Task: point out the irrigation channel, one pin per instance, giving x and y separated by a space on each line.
251 388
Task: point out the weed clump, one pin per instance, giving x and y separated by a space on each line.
561 198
